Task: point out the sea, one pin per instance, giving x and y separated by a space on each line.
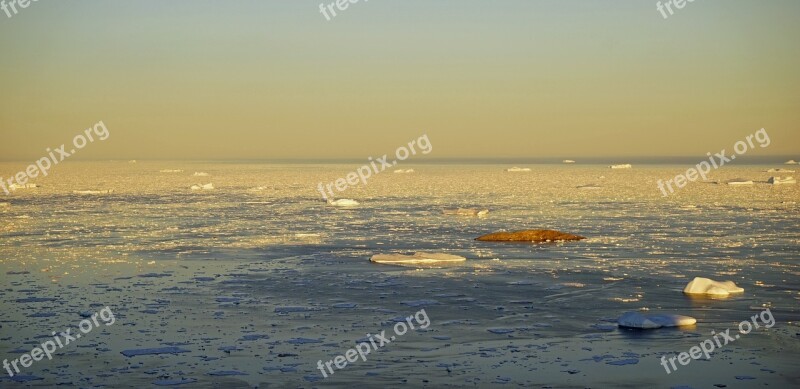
255 282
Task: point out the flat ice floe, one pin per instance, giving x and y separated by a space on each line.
705 286
208 186
93 192
406 171
781 180
343 203
621 166
516 169
416 259
739 181
637 320
466 212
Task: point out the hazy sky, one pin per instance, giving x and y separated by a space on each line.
198 79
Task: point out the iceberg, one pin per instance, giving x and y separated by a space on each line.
200 174
208 186
779 170
170 171
568 161
779 180
646 322
404 171
622 166
516 169
589 187
790 162
419 258
706 286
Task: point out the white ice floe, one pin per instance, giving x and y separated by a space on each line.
343 203
404 171
779 170
416 259
739 181
516 169
637 320
705 286
200 174
781 180
621 166
790 162
568 161
170 171
93 192
208 186
466 212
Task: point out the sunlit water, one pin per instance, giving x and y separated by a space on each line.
209 271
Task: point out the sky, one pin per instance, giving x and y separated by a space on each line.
274 79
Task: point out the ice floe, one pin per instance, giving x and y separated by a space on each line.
637 320
416 259
781 180
517 169
343 203
621 166
93 192
201 174
404 171
208 186
466 212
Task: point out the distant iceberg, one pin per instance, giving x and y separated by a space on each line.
200 174
621 166
516 169
404 171
779 180
170 171
208 186
343 203
567 161
706 286
589 187
779 170
790 162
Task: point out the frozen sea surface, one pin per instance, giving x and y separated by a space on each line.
258 279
